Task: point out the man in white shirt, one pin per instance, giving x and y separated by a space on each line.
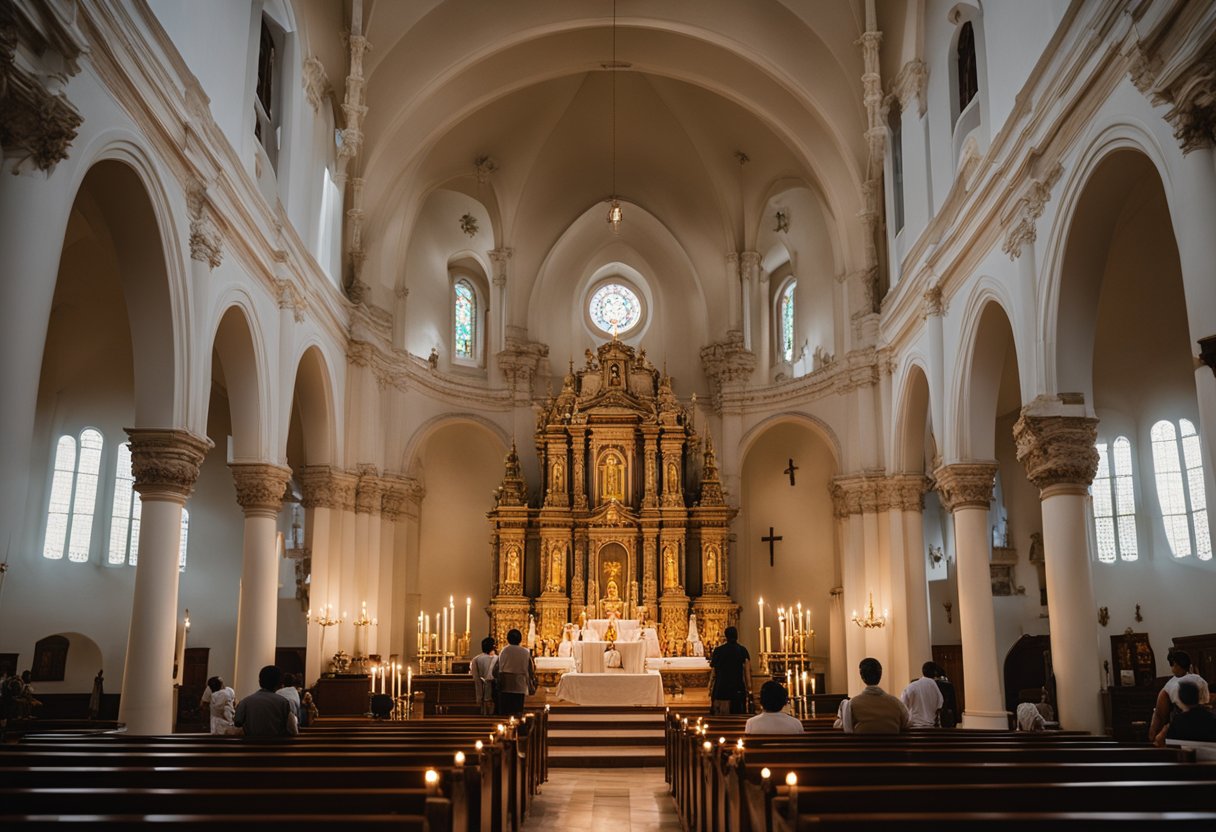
1167 699
923 698
290 693
773 720
481 668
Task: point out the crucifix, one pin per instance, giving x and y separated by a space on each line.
771 540
790 470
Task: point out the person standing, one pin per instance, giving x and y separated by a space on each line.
923 698
514 675
265 713
773 720
95 696
220 703
482 671
873 711
731 667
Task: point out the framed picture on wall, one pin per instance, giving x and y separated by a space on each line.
50 660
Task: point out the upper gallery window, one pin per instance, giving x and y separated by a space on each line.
266 120
1114 502
895 131
968 73
614 308
1179 471
69 520
785 318
464 310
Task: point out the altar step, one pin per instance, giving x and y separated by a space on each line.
600 736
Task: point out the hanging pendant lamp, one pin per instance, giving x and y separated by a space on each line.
615 214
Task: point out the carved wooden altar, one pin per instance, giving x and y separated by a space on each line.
614 524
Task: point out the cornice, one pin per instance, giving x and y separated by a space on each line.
858 369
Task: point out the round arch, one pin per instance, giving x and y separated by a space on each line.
913 420
988 337
817 426
433 425
237 344
313 394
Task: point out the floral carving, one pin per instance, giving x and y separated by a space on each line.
1056 449
966 484
165 462
260 486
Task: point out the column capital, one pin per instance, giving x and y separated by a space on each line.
260 486
1055 443
165 462
369 491
906 492
399 489
966 484
323 486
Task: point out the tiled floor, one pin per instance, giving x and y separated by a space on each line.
604 800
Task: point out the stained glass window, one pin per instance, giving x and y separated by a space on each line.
785 310
1114 502
73 496
466 319
615 308
1179 482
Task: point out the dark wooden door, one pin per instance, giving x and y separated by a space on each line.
949 657
1028 671
194 679
291 660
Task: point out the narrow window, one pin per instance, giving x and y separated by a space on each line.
968 75
465 312
1179 473
1114 503
124 508
181 554
895 128
59 511
264 119
1192 462
785 313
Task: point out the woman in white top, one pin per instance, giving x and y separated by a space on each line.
220 702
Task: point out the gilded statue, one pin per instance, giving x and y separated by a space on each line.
557 568
612 599
711 566
513 566
671 571
612 477
559 478
673 478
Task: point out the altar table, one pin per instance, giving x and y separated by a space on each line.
589 656
612 688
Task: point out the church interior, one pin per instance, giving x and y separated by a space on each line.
338 335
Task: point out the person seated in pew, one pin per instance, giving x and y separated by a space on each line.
1028 717
1167 700
1194 722
773 720
289 692
219 701
923 698
265 713
482 671
874 711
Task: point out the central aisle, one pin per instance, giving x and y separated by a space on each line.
621 799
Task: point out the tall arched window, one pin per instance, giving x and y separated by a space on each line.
785 320
895 131
69 520
265 105
1114 502
124 519
968 72
464 311
1180 488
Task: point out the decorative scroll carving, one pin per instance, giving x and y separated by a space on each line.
323 486
727 363
1027 210
206 242
911 82
165 462
966 484
316 83
369 493
1056 448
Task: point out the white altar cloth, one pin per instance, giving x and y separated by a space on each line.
561 663
626 629
611 688
678 663
589 656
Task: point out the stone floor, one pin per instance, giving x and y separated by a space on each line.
604 800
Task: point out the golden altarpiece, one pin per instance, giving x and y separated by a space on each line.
617 527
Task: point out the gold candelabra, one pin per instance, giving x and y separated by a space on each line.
870 622
325 620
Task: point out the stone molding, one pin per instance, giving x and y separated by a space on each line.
520 362
290 297
911 82
933 302
40 50
749 265
323 486
1027 210
727 363
1056 448
873 493
206 241
260 486
369 492
166 461
966 484
499 257
398 490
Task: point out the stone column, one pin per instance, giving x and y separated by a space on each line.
368 496
259 491
966 492
908 492
837 681
321 505
165 463
1055 442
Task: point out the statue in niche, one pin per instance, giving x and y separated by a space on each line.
711 565
614 376
612 477
557 568
612 603
592 364
673 478
512 566
559 478
671 571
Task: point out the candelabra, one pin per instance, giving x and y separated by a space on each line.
870 622
361 623
325 620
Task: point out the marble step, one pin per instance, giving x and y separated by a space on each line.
605 756
600 738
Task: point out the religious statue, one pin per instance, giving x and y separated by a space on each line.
612 657
671 571
557 568
610 633
615 376
612 478
559 478
711 566
512 566
591 362
612 604
673 477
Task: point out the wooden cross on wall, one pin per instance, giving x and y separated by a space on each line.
771 540
790 470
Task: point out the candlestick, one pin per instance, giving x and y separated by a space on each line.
468 614
762 622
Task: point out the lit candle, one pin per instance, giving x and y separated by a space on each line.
409 682
804 683
450 644
812 686
468 614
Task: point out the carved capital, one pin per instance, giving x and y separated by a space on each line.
370 490
260 486
291 298
749 265
725 363
966 484
910 83
906 492
165 462
322 486
1057 448
316 82
933 302
206 242
1027 210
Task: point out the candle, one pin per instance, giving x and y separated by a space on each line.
804 683
468 613
812 686
450 644
409 682
768 639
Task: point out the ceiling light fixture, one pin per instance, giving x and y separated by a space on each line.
615 214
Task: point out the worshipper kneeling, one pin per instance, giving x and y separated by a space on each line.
773 720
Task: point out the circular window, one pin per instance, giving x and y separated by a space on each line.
615 308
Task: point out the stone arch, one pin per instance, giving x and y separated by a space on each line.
814 423
979 377
241 358
313 402
914 421
431 426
